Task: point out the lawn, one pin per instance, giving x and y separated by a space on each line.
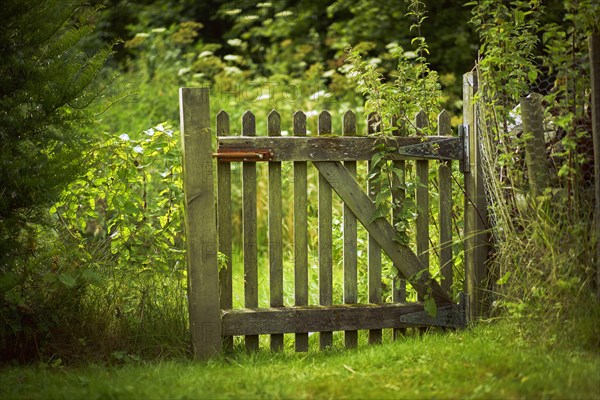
489 361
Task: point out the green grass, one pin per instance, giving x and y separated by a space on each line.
490 361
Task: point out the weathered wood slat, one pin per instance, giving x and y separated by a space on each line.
350 238
445 207
373 249
275 229
224 224
398 196
325 237
250 229
336 318
422 200
291 148
476 246
403 258
200 223
300 231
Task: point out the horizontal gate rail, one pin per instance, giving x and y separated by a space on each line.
342 317
339 148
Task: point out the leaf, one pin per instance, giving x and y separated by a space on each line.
67 280
504 279
125 233
50 277
430 306
532 74
8 280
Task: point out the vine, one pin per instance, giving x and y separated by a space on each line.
392 103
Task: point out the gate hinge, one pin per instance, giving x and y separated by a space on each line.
463 134
452 316
234 155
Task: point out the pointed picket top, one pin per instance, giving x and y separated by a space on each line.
349 123
248 124
396 126
421 119
299 123
274 123
222 123
373 123
325 123
444 126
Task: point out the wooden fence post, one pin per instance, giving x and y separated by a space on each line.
475 227
594 50
200 223
532 114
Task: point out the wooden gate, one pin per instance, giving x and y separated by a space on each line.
213 320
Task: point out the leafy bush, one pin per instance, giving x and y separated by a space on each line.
126 215
544 242
49 88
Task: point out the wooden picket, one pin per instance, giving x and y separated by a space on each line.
214 321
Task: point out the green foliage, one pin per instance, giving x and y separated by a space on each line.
396 102
126 215
401 105
49 88
544 245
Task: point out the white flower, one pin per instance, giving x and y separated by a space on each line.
149 132
234 42
319 94
248 18
231 57
263 96
205 53
232 71
124 137
183 71
138 149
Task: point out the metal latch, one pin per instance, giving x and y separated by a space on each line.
234 155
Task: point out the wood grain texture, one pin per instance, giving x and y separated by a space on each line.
300 231
335 318
250 229
325 237
373 249
275 229
350 238
398 198
224 224
422 200
476 246
445 208
200 223
356 148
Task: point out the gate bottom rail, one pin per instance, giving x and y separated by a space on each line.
259 321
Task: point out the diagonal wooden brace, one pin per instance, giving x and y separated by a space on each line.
404 259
